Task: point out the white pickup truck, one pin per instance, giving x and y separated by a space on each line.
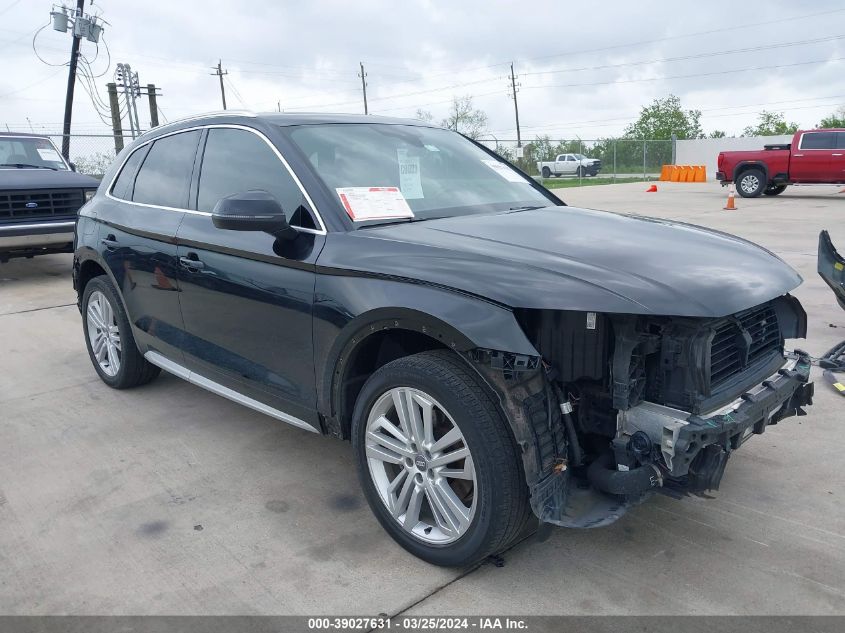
569 165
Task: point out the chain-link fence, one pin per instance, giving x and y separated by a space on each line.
621 159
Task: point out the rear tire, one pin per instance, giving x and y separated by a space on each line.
547 173
774 190
579 172
493 501
751 183
108 337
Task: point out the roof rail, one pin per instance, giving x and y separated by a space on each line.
203 115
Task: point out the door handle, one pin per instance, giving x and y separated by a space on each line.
189 262
110 242
836 154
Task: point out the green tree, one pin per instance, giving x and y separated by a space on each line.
837 119
463 117
663 118
716 134
770 124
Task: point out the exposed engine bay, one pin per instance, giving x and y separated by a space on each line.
637 404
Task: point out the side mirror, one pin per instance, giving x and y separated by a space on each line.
72 165
254 210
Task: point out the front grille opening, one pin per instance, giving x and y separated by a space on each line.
40 204
742 340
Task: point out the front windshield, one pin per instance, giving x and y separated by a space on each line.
29 152
438 172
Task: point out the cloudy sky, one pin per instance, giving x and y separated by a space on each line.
585 68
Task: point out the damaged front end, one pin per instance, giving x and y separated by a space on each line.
620 406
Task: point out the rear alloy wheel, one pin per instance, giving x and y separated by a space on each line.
109 339
751 183
774 190
103 333
437 461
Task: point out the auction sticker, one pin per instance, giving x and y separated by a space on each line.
374 203
49 154
504 171
410 182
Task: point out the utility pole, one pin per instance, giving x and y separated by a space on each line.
513 87
363 76
117 129
71 82
151 95
218 70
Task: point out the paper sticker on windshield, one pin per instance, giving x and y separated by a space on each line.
431 148
374 203
49 154
409 175
504 171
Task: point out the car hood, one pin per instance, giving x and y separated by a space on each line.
44 179
566 258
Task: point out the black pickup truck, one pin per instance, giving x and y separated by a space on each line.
40 194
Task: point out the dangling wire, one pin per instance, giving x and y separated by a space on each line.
34 50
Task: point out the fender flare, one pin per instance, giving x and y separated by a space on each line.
380 319
743 164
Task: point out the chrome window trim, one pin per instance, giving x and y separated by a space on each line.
209 126
46 138
214 387
816 149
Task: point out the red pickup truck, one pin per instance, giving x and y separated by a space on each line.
813 157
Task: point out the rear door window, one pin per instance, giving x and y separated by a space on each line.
165 176
840 140
819 140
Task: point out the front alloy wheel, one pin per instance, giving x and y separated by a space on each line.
421 465
437 460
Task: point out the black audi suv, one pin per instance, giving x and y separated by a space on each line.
491 353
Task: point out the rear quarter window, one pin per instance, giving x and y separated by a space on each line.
124 184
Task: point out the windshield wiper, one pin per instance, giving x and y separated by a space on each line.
23 165
528 208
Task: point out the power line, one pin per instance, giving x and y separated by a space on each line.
750 49
684 35
707 74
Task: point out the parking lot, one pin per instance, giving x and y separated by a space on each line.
168 499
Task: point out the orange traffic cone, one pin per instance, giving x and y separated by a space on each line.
730 206
651 189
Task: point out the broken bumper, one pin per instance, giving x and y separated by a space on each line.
691 451
687 441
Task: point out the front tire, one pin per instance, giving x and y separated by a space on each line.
109 339
437 461
774 190
547 173
751 183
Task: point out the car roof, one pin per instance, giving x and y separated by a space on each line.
24 135
282 119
